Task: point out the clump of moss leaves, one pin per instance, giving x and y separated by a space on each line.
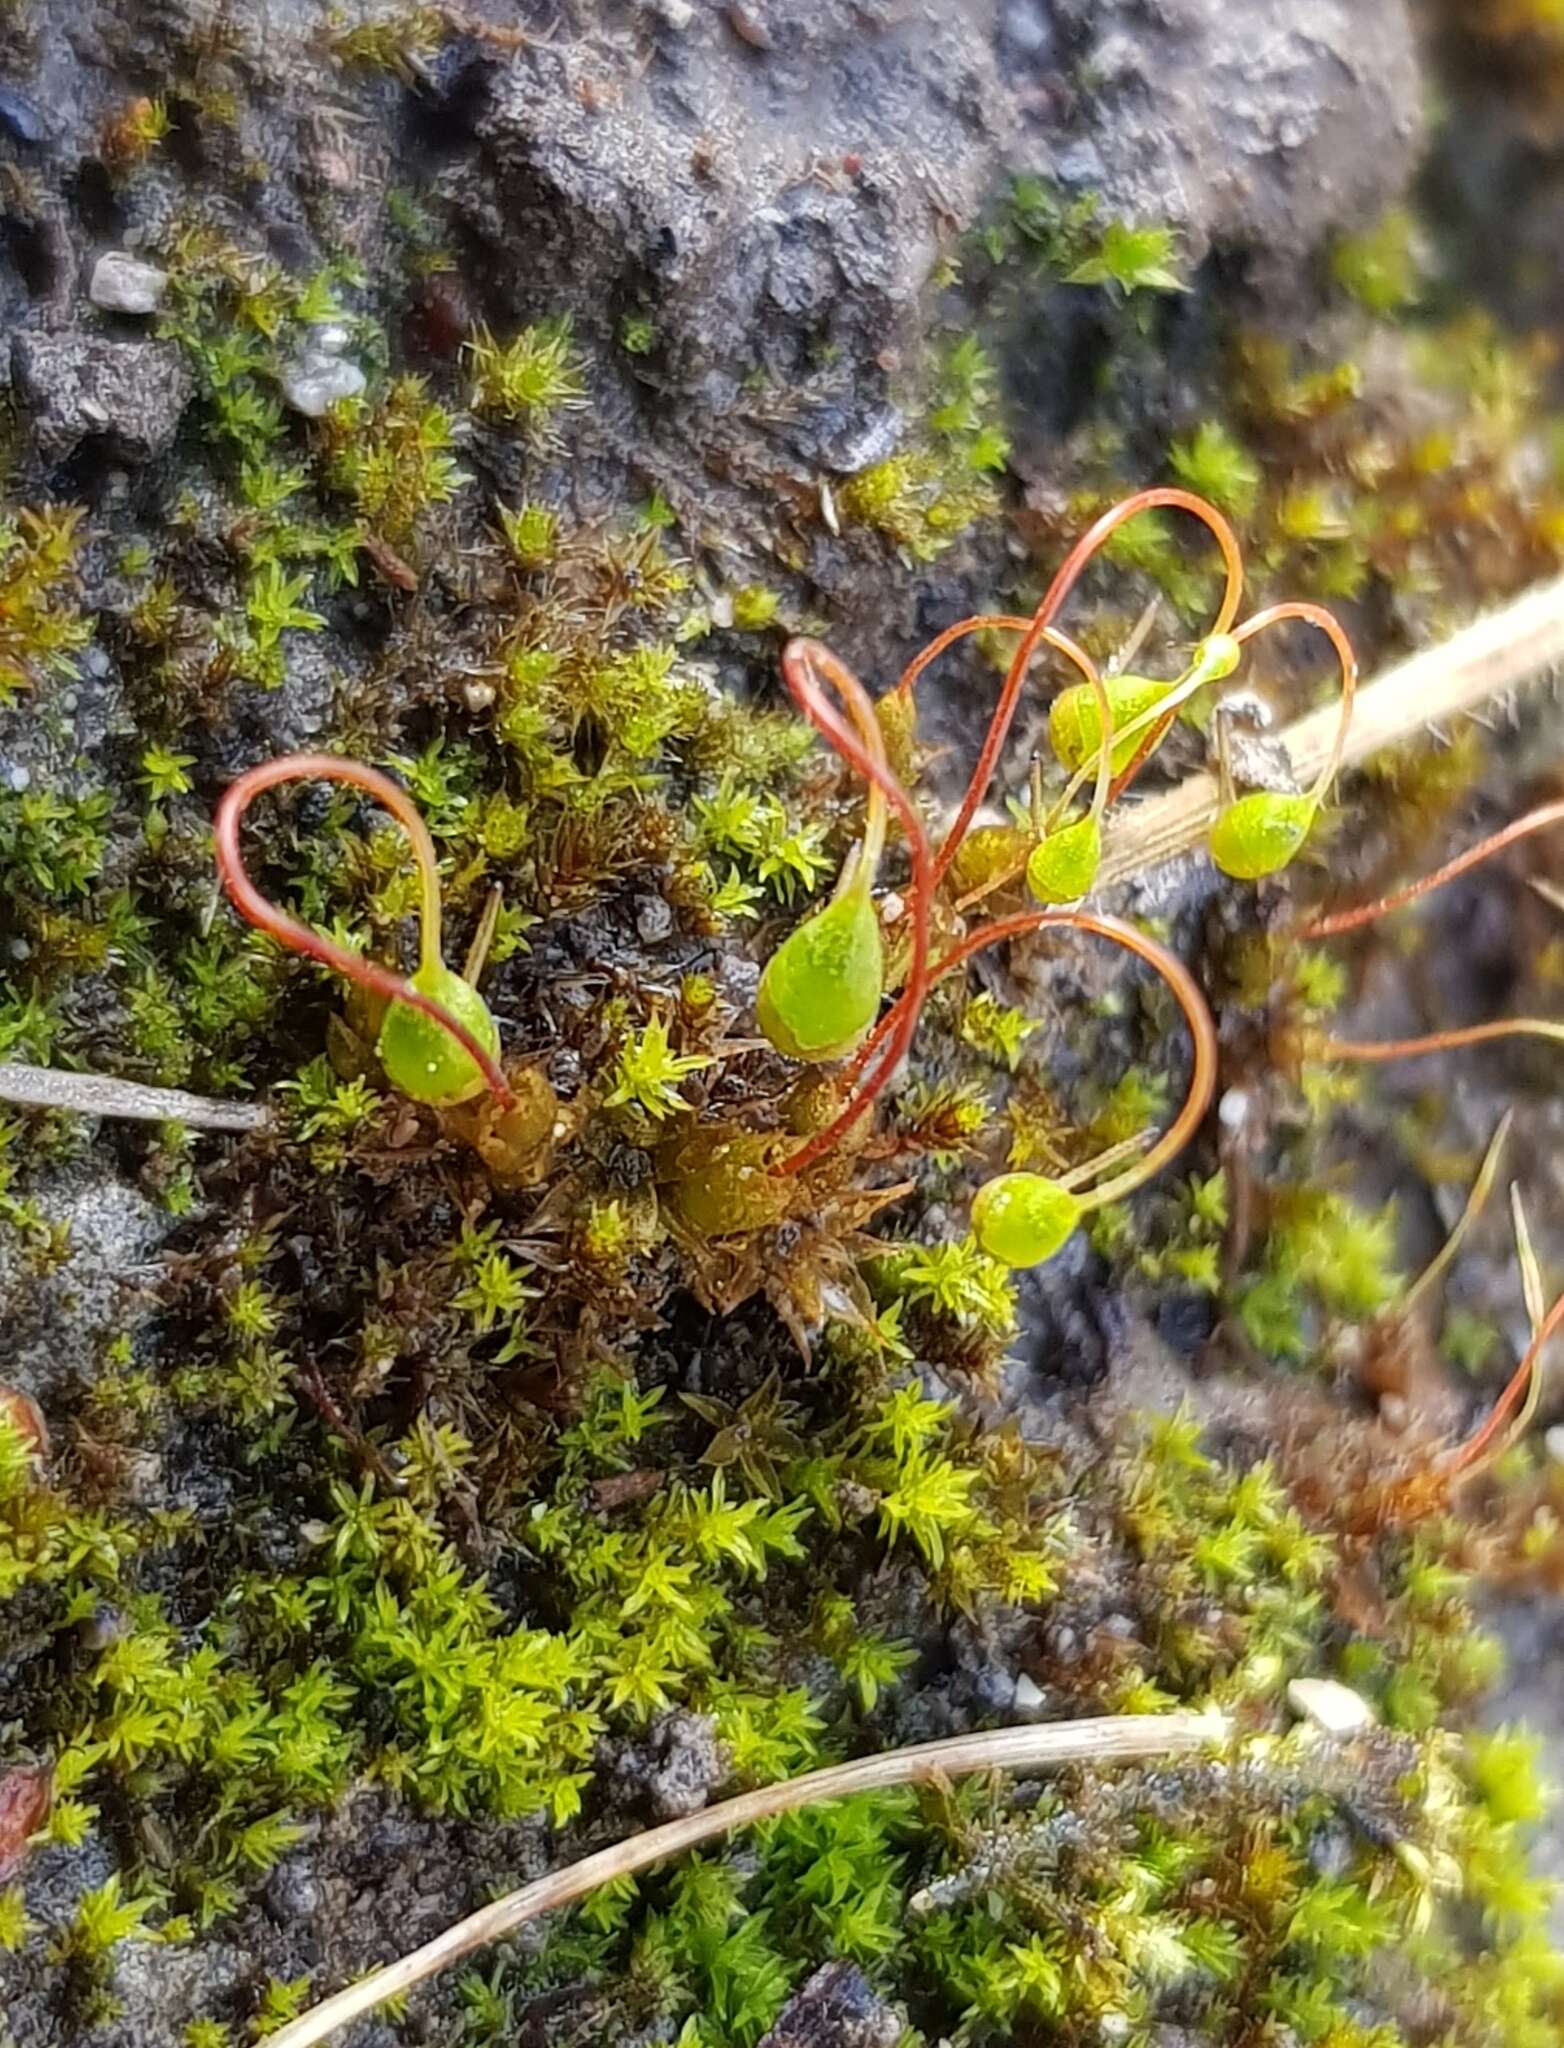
400 1515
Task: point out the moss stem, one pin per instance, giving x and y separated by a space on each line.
1327 623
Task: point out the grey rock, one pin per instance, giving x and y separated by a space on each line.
677 1765
293 1891
1263 128
837 2008
653 918
856 442
726 201
77 387
57 1325
317 380
124 284
22 118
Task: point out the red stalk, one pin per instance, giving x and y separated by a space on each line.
288 931
803 663
1349 920
1042 619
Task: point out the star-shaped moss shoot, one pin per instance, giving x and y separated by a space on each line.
438 1041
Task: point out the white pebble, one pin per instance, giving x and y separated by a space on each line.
1330 1705
316 382
124 284
1028 1698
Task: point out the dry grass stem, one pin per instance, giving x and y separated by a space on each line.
1119 1738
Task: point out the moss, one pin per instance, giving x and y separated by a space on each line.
926 496
1321 1251
529 380
40 627
397 39
392 459
1379 267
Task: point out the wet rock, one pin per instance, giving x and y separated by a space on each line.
22 118
837 2008
771 222
78 387
1262 129
318 379
124 284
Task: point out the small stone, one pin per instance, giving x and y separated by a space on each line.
837 2008
332 340
677 1765
292 1891
1028 1699
653 919
1331 1706
674 14
565 1070
124 284
1553 1443
316 382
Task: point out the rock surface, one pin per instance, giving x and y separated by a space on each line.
74 387
837 2008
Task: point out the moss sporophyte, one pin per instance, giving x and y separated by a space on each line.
821 995
438 1043
821 998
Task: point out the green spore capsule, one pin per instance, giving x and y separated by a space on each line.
422 1060
1261 833
822 986
1023 1218
1075 729
1063 866
1216 658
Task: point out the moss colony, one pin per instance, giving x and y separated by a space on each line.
387 1516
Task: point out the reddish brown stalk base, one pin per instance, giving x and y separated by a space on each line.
266 916
1537 820
1473 1450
